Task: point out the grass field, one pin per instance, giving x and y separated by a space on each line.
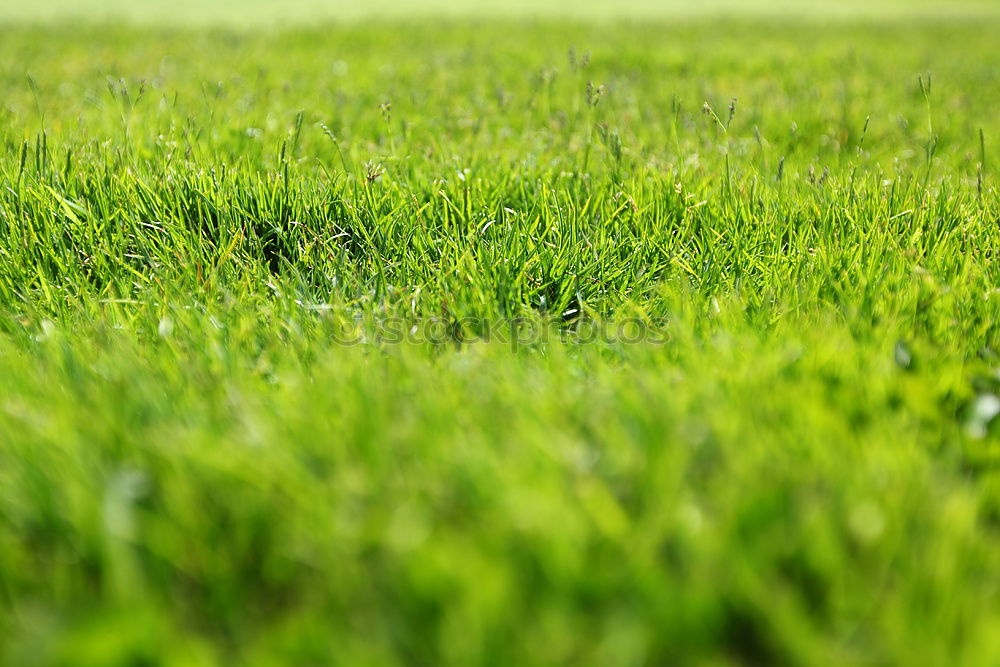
257 13
659 337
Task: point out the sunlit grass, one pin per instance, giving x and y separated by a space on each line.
298 362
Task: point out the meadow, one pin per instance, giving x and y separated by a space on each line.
429 338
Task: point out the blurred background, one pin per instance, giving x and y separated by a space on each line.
271 12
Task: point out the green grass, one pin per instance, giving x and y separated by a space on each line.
260 13
298 360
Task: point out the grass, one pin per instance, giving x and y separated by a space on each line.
258 13
500 342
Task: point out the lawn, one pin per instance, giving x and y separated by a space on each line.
411 335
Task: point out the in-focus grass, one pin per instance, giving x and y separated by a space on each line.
254 408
